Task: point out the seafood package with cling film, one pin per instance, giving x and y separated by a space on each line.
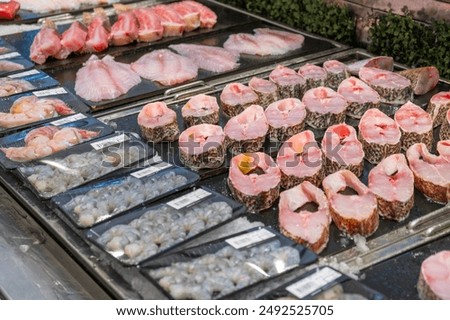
93 203
39 142
25 81
221 268
13 62
323 283
146 232
29 109
83 163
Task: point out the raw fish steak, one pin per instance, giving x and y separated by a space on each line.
165 67
431 172
266 90
422 79
189 14
392 182
126 29
315 76
286 118
208 18
342 149
438 106
353 207
158 122
300 159
392 87
171 21
74 38
150 27
290 84
325 107
307 227
434 278
336 73
200 109
98 30
379 134
247 131
46 43
254 180
381 62
359 95
210 58
236 97
444 133
415 124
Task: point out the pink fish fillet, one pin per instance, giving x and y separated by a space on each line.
125 30
352 213
74 38
208 18
392 182
150 27
171 21
189 14
45 44
214 59
300 159
431 172
342 149
121 73
381 62
165 67
292 40
310 228
98 31
434 278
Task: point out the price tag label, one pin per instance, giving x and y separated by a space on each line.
313 283
9 55
248 239
75 117
50 92
188 199
23 74
98 145
151 170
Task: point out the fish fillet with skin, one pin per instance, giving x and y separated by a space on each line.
208 18
165 67
210 58
434 278
359 95
236 97
74 38
438 106
150 27
381 62
189 14
171 21
423 79
98 31
125 30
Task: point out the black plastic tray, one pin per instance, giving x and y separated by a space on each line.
16 58
110 150
72 101
94 233
306 256
17 139
63 199
349 285
39 79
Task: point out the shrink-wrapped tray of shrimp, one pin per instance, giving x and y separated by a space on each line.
25 81
153 230
219 269
83 163
37 107
49 139
13 62
323 283
93 203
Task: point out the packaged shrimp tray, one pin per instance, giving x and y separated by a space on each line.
94 203
25 81
221 268
323 283
11 62
49 139
153 230
37 107
83 163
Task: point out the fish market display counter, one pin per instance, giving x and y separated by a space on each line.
109 217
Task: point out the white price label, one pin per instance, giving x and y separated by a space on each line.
151 170
188 199
314 282
98 145
23 74
248 239
9 55
50 92
75 117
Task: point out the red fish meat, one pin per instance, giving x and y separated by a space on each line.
46 43
126 29
8 10
171 21
150 27
98 30
286 118
189 14
74 38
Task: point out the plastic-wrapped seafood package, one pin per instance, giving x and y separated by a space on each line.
13 62
93 203
33 144
323 283
82 163
37 107
25 81
149 231
220 268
